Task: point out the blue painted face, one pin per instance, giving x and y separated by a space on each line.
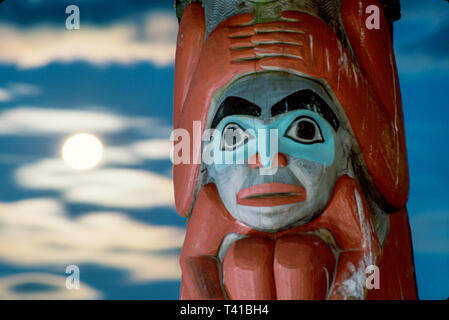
302 121
302 134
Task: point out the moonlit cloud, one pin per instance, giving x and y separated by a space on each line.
109 187
138 152
24 89
152 148
5 95
31 120
113 155
54 284
162 27
119 43
431 232
39 232
16 90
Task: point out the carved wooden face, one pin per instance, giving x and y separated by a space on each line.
309 70
286 179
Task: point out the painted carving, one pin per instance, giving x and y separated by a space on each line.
307 100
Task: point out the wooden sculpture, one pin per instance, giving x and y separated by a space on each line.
308 220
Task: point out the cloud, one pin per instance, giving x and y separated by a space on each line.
137 153
39 232
31 120
109 187
40 120
118 43
24 89
32 12
431 232
5 95
53 288
113 155
15 90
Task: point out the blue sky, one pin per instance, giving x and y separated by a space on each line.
114 78
422 53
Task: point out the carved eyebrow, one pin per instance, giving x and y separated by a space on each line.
235 105
308 100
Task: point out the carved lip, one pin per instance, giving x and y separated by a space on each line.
271 194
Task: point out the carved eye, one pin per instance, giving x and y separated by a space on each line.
233 136
304 130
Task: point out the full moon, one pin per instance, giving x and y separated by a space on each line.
82 151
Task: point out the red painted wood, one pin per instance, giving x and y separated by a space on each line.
303 267
396 269
375 56
201 272
248 270
192 29
321 56
210 223
371 109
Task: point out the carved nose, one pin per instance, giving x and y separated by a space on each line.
279 160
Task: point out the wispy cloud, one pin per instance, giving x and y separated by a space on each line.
152 148
39 232
54 285
109 187
34 47
31 120
113 155
137 153
24 89
16 90
5 95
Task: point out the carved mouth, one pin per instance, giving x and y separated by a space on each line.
271 194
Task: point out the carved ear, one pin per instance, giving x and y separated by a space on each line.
373 49
191 34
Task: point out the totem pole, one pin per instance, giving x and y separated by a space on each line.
309 211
